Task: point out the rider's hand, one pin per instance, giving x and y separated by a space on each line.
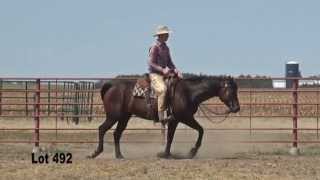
165 71
178 73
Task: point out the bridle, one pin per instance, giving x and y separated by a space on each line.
226 113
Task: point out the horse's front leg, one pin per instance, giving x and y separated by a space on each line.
172 126
191 122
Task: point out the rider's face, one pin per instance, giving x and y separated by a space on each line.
163 37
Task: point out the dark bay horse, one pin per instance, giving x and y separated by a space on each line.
119 105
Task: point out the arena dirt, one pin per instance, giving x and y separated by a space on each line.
218 158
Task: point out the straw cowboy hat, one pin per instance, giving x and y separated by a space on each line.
162 30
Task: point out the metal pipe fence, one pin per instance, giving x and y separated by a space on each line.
78 98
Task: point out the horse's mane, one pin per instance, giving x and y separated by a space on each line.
199 78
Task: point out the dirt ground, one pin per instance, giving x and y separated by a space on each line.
141 163
218 158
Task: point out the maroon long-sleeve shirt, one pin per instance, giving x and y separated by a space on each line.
159 58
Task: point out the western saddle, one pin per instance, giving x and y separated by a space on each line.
143 89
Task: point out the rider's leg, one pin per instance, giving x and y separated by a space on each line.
157 82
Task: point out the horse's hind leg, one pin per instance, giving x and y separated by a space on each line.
121 126
195 125
106 125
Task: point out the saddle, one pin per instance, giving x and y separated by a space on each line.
143 89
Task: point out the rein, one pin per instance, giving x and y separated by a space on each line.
202 107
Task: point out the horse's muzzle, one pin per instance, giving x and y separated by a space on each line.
235 109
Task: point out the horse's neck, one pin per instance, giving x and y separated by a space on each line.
204 90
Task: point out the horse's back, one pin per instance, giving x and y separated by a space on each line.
117 97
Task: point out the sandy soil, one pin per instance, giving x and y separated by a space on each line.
221 162
218 158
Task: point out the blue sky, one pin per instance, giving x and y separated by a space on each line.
106 38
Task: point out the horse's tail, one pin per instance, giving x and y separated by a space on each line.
105 88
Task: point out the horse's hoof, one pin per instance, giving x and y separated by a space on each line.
119 156
164 155
193 153
92 156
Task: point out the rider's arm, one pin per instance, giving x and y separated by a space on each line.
153 59
170 63
173 67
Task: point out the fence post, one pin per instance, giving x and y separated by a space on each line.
0 97
63 98
317 110
76 103
91 100
37 117
26 95
294 150
56 108
49 98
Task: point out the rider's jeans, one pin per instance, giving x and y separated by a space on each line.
158 84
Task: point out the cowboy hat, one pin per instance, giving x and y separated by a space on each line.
162 30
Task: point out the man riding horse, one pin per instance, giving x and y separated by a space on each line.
188 94
160 64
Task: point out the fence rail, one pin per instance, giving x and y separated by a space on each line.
63 97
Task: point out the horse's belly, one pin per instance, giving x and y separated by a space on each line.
140 109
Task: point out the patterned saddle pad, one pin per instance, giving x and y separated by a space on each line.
139 91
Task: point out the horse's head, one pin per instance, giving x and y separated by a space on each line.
228 94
